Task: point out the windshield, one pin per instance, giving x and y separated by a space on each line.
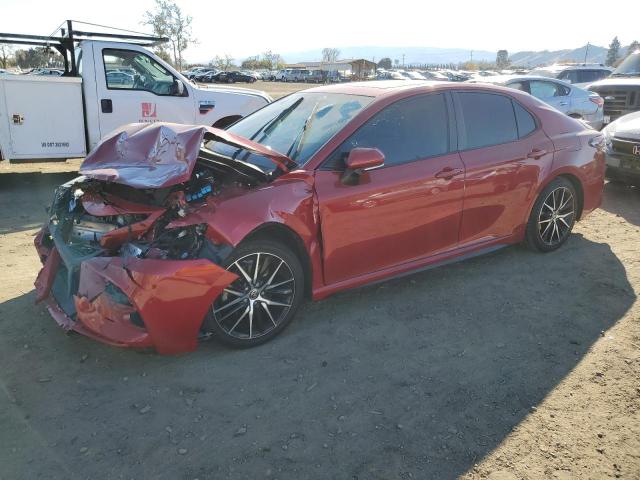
296 126
630 65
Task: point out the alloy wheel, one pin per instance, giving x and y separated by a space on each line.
259 300
556 216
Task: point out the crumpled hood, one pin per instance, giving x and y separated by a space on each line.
160 155
627 126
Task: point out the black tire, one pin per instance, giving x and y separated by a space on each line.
552 217
249 300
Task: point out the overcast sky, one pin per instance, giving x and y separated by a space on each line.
247 27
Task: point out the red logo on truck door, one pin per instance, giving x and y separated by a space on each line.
149 110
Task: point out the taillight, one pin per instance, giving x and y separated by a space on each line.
597 100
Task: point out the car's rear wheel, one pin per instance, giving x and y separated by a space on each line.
552 217
263 300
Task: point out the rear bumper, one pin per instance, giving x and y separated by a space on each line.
133 302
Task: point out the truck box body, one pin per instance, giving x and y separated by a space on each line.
41 117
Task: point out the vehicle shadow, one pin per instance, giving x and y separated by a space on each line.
622 200
423 375
25 196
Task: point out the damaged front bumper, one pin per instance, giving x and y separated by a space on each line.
128 301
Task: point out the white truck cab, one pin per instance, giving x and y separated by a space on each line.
113 83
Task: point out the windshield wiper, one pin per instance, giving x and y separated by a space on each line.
280 117
299 140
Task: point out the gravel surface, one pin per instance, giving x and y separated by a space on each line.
513 365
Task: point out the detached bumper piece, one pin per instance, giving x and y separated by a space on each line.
131 302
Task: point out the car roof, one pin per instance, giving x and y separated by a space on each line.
582 66
400 88
502 79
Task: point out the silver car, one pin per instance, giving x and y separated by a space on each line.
622 139
574 101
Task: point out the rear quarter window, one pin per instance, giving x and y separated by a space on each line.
524 120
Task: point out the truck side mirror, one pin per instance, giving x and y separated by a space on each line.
178 88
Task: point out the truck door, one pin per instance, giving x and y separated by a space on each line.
133 87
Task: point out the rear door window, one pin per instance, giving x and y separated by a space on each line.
487 119
544 90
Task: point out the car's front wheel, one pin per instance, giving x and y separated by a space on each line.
553 216
263 300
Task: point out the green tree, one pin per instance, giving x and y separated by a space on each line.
7 58
222 63
502 59
330 55
385 63
614 52
274 60
168 20
38 57
635 45
250 63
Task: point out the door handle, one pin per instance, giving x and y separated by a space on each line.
106 105
536 153
564 104
448 173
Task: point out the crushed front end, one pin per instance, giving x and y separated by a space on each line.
114 270
129 254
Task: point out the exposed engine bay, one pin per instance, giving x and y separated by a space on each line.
93 217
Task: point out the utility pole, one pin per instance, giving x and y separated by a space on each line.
403 60
471 59
586 52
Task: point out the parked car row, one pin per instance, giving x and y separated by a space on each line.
212 75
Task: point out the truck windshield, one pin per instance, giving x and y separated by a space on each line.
297 126
630 66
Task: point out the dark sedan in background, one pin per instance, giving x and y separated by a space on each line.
232 77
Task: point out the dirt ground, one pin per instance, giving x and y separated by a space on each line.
509 366
280 89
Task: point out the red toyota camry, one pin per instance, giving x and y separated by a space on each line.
176 233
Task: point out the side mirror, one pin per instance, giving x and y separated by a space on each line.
178 88
359 161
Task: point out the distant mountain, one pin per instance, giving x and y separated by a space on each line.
418 55
595 54
437 55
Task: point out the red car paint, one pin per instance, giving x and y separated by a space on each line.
396 219
145 157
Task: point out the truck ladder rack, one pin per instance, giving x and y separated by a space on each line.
65 42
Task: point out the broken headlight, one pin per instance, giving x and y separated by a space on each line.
180 243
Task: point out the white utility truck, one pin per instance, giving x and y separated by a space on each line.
106 84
